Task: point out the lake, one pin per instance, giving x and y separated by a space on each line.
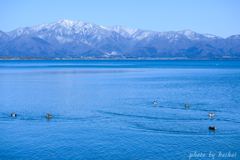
103 109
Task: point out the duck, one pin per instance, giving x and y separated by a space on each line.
13 115
186 105
154 102
48 116
211 114
212 128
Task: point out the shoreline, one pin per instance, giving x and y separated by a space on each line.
25 58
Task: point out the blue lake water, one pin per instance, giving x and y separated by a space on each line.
103 109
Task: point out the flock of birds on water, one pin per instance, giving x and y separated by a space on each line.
47 116
186 106
210 115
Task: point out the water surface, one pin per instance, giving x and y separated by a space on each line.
104 109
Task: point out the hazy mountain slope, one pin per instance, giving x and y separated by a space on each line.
3 37
28 46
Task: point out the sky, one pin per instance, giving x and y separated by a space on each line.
217 17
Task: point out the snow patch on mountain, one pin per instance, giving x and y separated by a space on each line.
66 23
189 34
209 36
124 31
63 40
103 27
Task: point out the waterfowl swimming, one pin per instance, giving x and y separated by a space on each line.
48 116
13 115
211 114
154 102
186 105
212 128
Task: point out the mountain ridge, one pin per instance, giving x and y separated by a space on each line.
76 39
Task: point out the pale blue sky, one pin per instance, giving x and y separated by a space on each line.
217 17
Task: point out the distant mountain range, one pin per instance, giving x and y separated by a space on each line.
78 39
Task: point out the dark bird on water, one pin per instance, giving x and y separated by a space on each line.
212 128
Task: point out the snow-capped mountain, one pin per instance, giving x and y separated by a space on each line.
66 38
